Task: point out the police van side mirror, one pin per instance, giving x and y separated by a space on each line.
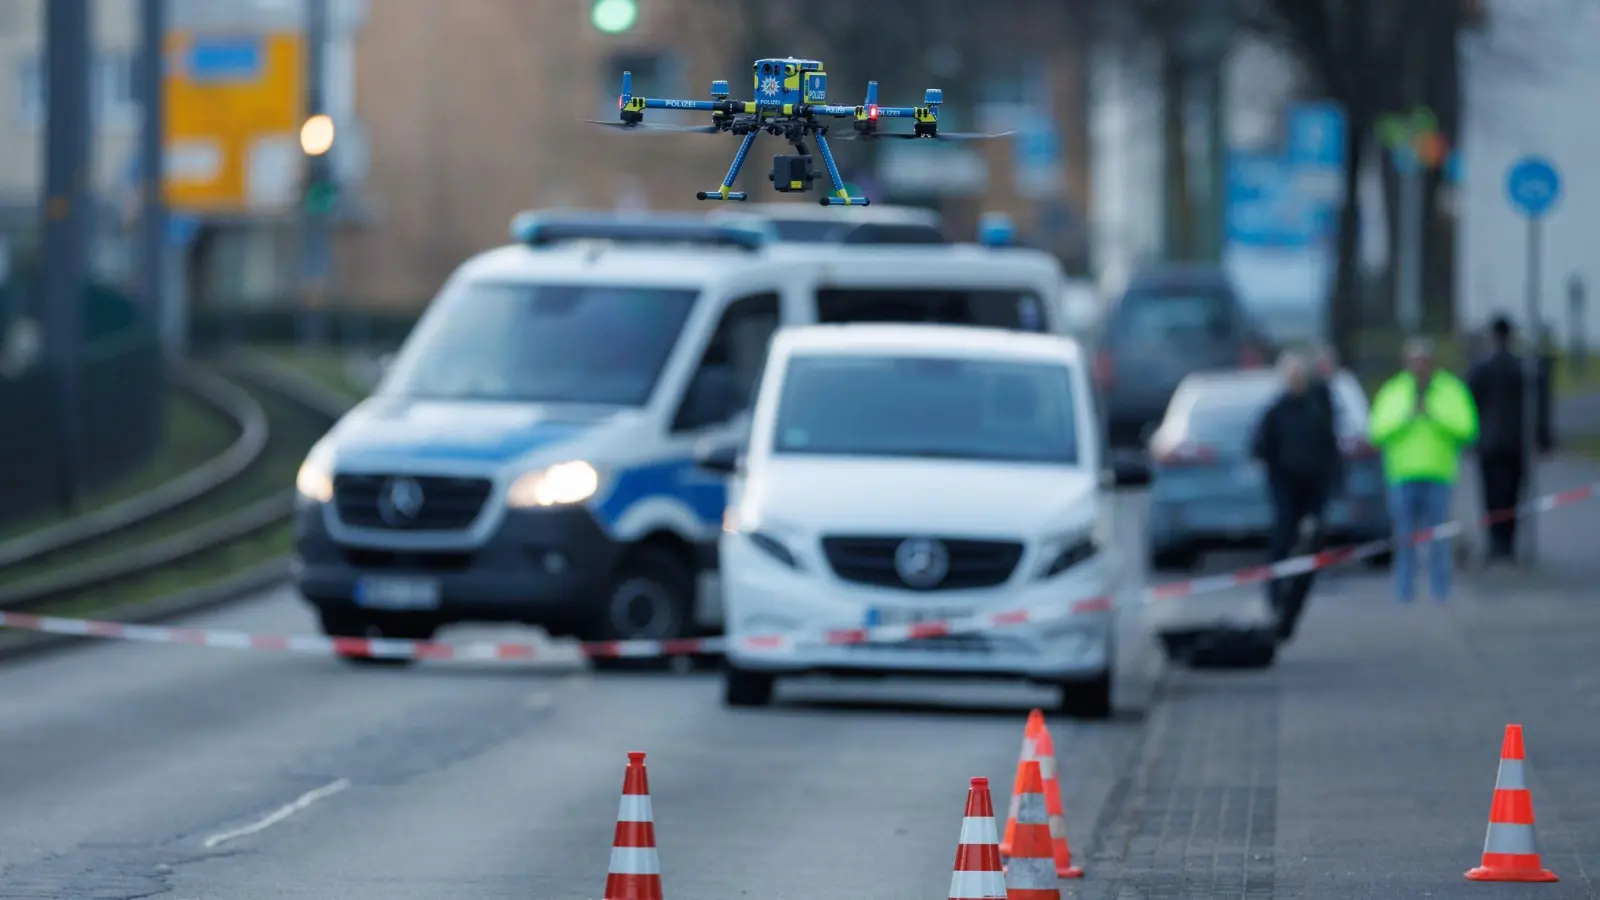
721 458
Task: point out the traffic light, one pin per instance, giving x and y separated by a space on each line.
614 16
319 192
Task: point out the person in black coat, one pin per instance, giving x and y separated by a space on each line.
1325 367
1499 388
1299 449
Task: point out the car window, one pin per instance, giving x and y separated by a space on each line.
797 231
898 406
515 341
1011 309
1160 318
735 356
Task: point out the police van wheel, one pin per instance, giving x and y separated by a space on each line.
338 623
650 599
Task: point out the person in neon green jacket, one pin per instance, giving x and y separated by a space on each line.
1421 420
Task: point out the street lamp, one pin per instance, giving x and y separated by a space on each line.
614 16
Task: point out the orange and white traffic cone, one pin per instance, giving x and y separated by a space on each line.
635 872
977 873
1030 751
1510 852
1031 871
1054 807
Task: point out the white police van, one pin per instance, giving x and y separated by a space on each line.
529 455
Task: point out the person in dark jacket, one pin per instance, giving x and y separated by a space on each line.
1499 387
1325 367
1298 448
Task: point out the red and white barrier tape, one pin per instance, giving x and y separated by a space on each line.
386 648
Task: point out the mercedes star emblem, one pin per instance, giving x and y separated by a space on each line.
400 501
921 562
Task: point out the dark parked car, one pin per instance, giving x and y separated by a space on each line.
1207 493
1168 323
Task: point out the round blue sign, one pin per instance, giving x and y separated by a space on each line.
1534 186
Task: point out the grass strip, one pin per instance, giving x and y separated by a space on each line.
333 367
292 431
195 433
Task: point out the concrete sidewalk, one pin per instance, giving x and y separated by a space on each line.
1364 763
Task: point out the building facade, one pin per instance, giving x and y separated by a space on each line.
474 111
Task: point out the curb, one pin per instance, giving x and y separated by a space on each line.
228 398
286 380
19 644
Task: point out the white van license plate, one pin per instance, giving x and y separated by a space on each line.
383 592
913 616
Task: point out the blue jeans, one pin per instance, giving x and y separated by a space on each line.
1415 505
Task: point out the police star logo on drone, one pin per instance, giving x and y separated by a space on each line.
792 106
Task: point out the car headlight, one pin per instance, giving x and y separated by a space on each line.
314 482
562 484
774 548
1067 553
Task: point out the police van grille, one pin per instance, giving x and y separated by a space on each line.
448 504
973 564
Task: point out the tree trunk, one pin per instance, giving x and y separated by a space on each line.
1345 305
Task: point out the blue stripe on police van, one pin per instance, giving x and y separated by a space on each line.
682 480
499 448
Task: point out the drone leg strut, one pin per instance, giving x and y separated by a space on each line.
840 196
726 192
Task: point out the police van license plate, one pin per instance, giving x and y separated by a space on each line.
913 616
385 592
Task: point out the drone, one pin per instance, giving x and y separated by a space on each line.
793 105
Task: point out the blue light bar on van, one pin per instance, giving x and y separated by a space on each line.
996 230
543 229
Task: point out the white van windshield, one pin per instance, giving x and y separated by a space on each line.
537 343
940 407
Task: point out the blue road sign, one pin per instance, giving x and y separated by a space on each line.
1534 186
1036 163
1267 205
212 60
1316 135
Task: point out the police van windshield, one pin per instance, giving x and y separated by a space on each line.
941 408
1011 309
535 343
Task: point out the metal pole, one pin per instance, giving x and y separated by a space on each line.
153 210
315 252
1217 142
1530 403
67 225
1411 222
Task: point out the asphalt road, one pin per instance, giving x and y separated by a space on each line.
1361 766
132 771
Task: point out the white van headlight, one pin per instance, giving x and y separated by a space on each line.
314 482
562 484
1065 552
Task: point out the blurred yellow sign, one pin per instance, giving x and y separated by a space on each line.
234 104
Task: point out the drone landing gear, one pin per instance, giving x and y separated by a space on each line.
840 196
726 191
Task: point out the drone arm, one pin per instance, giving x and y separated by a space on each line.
691 105
836 112
895 112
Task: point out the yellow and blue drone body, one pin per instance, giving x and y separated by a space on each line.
792 103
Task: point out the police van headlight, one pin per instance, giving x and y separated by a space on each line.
314 482
562 484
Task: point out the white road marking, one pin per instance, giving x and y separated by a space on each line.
540 700
278 815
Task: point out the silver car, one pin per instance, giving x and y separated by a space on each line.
1208 493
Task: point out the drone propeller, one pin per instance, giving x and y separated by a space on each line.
653 126
904 136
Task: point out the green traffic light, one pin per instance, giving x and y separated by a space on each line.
321 198
614 16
